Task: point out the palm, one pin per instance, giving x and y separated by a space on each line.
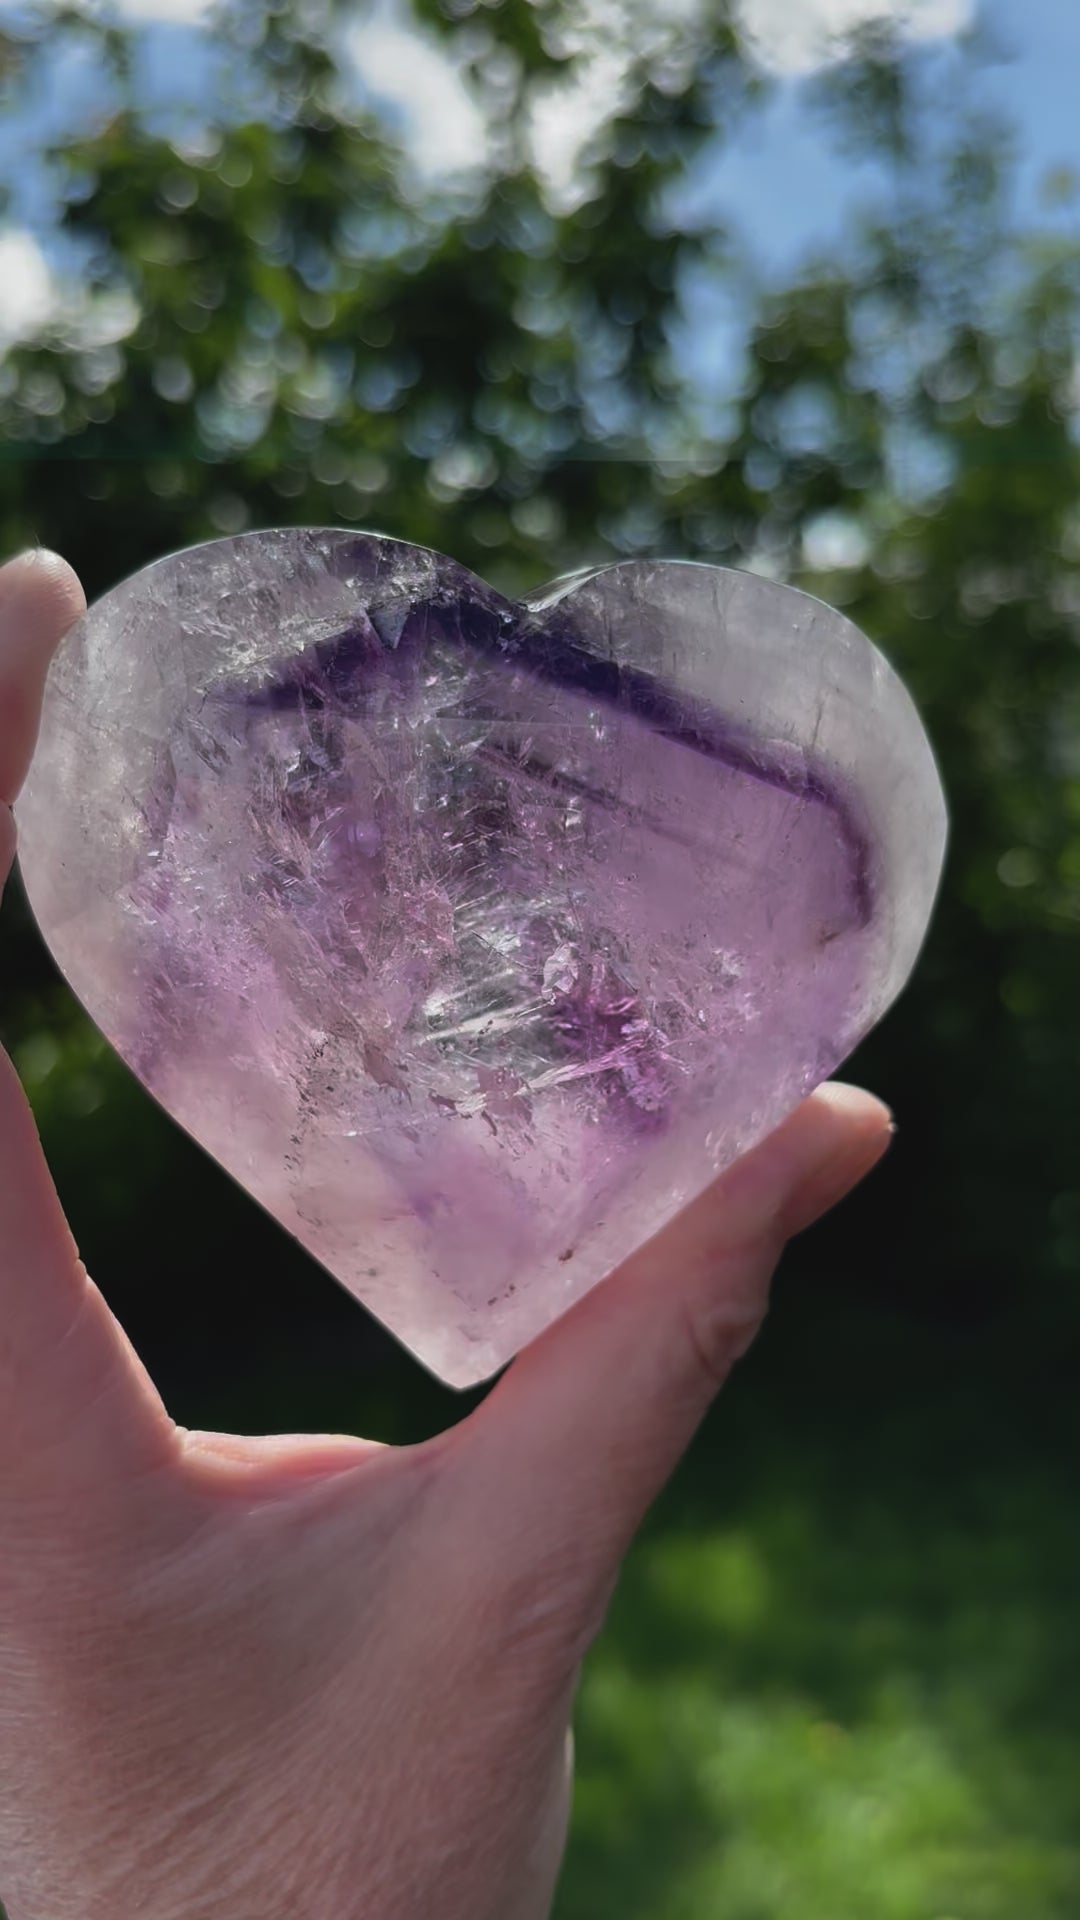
232 1631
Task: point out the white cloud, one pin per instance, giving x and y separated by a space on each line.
567 113
33 297
28 290
602 42
795 36
179 13
400 68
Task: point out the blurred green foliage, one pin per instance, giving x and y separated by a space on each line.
840 1678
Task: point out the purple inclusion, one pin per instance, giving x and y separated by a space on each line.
610 1042
490 661
344 672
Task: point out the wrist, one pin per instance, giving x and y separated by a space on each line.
218 1857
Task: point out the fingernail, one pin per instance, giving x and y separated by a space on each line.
836 1180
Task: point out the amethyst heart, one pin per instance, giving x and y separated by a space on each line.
473 938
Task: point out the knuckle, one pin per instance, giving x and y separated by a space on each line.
717 1329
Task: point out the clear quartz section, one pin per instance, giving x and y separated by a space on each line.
474 938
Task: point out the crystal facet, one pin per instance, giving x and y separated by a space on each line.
474 938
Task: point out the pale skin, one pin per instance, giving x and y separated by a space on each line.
263 1678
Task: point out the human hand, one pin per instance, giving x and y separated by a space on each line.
251 1679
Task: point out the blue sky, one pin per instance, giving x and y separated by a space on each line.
790 191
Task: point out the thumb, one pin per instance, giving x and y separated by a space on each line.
567 1453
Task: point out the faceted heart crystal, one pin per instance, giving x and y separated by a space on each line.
473 938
